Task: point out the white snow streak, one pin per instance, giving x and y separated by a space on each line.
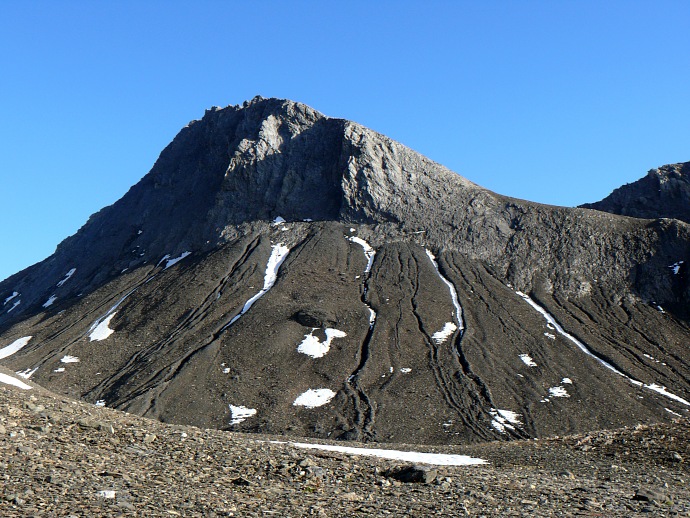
314 397
67 277
438 459
240 413
311 345
453 293
551 320
50 301
405 370
14 294
9 380
369 252
672 412
14 305
444 334
14 346
527 360
278 255
171 262
69 359
102 331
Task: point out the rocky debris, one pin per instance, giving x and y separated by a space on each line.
663 193
70 469
421 474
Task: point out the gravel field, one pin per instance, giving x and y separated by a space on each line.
67 458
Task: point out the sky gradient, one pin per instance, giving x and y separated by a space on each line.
555 102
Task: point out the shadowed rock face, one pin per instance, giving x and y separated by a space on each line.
663 193
388 296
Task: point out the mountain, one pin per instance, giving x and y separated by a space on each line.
663 193
283 272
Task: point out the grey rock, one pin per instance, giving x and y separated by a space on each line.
418 474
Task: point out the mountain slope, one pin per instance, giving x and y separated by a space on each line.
275 259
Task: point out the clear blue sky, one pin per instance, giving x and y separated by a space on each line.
553 101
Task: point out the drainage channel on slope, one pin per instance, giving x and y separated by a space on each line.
364 419
589 352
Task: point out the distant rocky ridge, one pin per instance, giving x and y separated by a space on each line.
281 271
663 193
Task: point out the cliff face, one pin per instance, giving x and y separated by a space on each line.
317 278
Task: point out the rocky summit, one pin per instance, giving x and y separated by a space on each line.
282 272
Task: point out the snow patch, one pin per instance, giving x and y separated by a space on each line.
100 402
672 412
676 267
50 301
527 360
311 345
550 336
503 419
9 380
240 413
14 294
558 392
14 305
313 398
278 221
444 334
278 255
67 277
372 317
102 331
453 292
171 262
662 390
69 359
15 346
26 373
59 369
438 459
567 381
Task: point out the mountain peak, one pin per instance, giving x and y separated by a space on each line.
663 193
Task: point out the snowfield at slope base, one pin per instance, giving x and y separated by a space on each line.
311 346
438 459
9 380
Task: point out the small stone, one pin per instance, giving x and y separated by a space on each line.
676 457
106 493
149 438
566 474
649 495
